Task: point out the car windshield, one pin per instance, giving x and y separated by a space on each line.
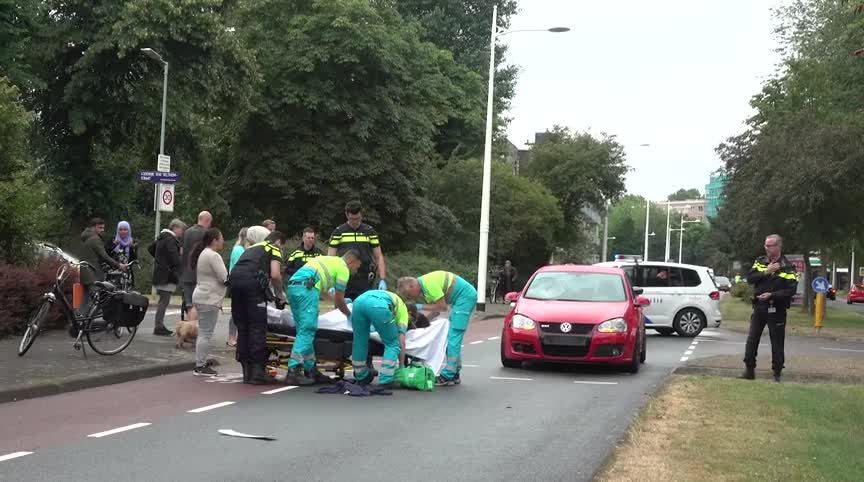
574 286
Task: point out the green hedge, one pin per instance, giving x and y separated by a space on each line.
742 290
411 263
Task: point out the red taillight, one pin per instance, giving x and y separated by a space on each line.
715 295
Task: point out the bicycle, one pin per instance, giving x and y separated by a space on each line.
123 280
124 313
494 279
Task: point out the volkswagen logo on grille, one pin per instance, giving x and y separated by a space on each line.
566 327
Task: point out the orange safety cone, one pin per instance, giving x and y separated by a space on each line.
77 295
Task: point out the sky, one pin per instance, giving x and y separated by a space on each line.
675 74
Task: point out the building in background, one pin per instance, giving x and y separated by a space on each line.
714 194
693 209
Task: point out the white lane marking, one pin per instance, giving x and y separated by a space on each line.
277 390
586 382
118 430
691 347
210 407
471 366
172 312
841 349
477 342
684 358
13 455
688 352
695 342
493 338
512 378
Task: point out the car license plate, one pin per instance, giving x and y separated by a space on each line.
568 340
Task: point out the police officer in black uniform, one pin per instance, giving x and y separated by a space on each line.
256 280
306 251
775 282
357 235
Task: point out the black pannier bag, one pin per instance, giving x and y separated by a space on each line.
125 309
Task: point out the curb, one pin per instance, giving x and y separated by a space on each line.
766 374
71 384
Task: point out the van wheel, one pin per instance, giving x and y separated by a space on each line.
689 322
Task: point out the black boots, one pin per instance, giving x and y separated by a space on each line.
749 374
776 377
257 374
247 371
296 376
318 377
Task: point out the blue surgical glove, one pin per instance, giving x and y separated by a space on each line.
348 301
419 306
332 291
382 285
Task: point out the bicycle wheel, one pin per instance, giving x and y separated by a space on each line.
34 326
103 336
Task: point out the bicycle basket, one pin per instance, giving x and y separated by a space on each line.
125 309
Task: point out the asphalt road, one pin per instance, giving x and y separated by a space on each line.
840 303
541 423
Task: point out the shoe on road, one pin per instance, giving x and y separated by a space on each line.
204 371
776 377
296 376
440 381
163 332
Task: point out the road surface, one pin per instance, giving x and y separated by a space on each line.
542 423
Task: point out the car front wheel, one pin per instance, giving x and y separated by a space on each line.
689 322
507 362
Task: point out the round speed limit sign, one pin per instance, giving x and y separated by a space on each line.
166 197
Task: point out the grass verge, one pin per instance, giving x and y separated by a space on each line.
718 429
839 323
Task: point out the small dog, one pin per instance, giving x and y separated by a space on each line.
186 332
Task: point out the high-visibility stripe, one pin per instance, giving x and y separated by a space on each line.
269 248
789 276
322 271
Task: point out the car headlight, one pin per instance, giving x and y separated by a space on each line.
520 322
615 325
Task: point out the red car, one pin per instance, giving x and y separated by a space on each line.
856 294
576 314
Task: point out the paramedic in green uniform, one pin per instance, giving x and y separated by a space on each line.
440 289
388 314
305 289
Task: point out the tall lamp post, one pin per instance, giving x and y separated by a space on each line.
158 58
487 157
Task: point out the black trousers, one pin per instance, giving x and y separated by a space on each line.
249 311
358 284
776 323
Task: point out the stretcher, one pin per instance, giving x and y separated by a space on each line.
335 336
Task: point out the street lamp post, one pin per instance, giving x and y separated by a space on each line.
681 237
158 58
647 216
487 158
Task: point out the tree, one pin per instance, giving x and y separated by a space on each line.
523 220
685 194
627 225
351 99
581 171
99 105
462 27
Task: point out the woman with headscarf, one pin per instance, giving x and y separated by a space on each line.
124 249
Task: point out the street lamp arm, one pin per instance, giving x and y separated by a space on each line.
551 30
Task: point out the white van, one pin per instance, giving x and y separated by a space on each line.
684 298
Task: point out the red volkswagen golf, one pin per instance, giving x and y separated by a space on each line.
576 314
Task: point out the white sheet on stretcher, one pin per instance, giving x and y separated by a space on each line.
427 344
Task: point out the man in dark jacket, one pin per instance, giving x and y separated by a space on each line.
775 281
167 269
189 279
94 253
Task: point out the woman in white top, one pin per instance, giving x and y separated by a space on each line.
208 295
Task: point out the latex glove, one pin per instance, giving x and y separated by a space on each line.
382 285
332 291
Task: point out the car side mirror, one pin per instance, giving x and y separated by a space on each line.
637 291
642 302
512 296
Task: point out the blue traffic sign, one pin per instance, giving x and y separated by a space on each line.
156 176
820 285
